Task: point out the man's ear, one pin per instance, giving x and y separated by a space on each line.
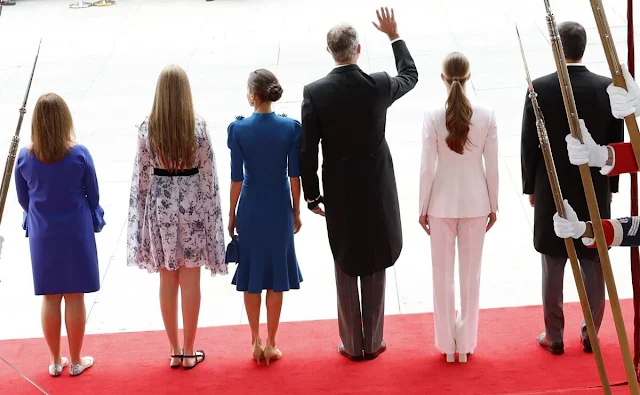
358 49
443 77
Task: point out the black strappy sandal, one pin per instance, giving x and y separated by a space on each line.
196 358
180 357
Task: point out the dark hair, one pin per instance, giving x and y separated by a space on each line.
265 85
455 68
574 39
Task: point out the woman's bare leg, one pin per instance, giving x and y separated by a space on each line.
274 307
51 317
252 305
169 307
75 318
190 290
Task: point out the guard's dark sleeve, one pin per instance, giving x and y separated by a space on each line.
620 232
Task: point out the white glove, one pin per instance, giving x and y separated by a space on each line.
624 102
569 226
589 152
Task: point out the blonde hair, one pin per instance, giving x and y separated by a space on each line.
172 121
51 129
455 68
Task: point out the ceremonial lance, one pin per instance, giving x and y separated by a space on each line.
545 146
592 203
635 252
634 135
15 140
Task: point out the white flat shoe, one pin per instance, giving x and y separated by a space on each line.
449 357
76 369
55 369
462 358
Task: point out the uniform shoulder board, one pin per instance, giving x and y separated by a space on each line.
623 220
239 117
283 115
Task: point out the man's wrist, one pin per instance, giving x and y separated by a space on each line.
393 36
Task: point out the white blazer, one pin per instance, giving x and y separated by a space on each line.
454 185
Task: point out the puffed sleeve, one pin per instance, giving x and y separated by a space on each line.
294 151
237 160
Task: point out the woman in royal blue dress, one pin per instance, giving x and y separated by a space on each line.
265 187
58 190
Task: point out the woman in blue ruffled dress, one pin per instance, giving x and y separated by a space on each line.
265 188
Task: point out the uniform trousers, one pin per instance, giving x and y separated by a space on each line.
456 334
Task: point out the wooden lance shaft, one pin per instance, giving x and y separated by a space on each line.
13 149
573 256
543 138
592 203
631 122
616 71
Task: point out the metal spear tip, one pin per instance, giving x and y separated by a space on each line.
547 6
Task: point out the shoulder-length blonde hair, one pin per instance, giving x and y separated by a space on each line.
51 129
172 121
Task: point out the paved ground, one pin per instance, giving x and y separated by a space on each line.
105 61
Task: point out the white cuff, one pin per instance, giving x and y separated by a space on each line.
588 242
607 169
397 39
618 232
313 200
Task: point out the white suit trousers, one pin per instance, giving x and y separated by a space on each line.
456 334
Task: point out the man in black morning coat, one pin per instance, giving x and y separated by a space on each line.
346 113
592 102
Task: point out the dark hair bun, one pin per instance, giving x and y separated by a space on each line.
274 92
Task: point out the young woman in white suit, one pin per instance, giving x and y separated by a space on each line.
458 200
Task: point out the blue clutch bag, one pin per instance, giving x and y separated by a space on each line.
233 251
98 219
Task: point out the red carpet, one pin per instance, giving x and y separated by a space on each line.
507 361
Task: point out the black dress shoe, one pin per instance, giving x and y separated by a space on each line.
553 348
344 353
586 345
383 348
7 2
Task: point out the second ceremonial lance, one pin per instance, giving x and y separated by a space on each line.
13 149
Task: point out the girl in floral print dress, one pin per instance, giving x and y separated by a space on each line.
175 219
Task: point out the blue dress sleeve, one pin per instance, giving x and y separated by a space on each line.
21 183
293 157
90 181
237 160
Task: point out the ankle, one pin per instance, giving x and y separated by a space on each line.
256 339
271 342
55 359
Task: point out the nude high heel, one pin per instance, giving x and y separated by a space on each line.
271 353
258 352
